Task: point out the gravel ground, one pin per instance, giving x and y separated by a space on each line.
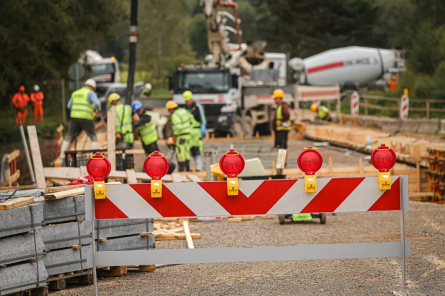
425 229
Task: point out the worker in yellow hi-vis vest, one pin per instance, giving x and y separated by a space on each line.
82 105
281 121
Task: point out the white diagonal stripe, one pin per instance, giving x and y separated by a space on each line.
296 199
133 205
364 196
248 187
197 199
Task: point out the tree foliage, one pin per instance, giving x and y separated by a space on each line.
40 39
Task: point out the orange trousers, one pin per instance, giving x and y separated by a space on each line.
37 113
21 115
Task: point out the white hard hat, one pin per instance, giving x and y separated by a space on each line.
90 82
36 88
148 85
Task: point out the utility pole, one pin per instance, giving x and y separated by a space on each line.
132 59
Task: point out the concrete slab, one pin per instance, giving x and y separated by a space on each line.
63 210
429 126
66 235
22 277
20 248
67 260
18 220
123 227
127 243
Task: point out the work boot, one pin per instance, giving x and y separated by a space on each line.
187 166
301 217
181 166
198 163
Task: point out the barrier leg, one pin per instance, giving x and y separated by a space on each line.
89 195
402 233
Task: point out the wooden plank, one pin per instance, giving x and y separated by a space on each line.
111 139
131 177
194 178
176 178
164 237
61 173
117 271
188 236
15 203
62 188
13 155
63 194
36 156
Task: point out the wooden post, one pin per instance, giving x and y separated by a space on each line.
418 177
36 157
111 139
366 106
427 111
339 110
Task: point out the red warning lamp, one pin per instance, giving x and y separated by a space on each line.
383 158
99 167
232 164
156 166
310 161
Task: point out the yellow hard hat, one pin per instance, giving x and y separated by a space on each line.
113 97
314 107
187 95
171 105
278 93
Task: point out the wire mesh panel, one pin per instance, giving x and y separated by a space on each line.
78 158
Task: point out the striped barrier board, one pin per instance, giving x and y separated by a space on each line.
269 197
265 197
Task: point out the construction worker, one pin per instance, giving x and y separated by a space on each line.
323 113
123 118
281 121
37 104
392 84
20 102
148 133
146 91
198 128
82 104
181 128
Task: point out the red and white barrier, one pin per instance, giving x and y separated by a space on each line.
355 100
404 107
270 197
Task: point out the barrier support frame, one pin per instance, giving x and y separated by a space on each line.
252 254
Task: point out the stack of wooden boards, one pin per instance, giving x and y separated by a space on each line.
410 149
436 174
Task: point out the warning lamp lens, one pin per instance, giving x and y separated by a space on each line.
232 163
156 165
99 167
309 161
383 158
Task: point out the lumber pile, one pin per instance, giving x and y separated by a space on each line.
165 229
407 148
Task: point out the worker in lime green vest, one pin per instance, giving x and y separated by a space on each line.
323 113
198 128
281 121
123 118
82 104
147 130
181 128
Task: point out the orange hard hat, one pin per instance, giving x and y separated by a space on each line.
21 88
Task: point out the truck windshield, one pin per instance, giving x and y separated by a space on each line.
202 82
101 69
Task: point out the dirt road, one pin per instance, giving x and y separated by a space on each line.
425 229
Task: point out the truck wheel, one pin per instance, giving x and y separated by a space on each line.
237 127
281 219
323 218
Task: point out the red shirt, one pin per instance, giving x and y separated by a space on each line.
37 98
20 100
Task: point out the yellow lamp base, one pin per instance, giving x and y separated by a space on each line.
156 188
232 186
99 189
310 183
385 181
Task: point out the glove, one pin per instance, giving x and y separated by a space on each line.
203 130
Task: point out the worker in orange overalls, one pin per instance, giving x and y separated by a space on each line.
37 104
20 102
392 84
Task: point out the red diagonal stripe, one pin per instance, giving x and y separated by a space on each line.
259 202
106 209
325 67
168 205
390 200
332 195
